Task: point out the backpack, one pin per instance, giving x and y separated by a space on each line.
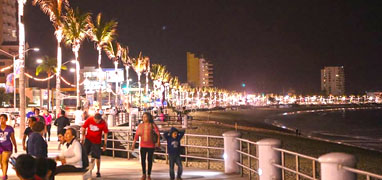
85 159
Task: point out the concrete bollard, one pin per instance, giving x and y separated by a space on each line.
330 169
110 120
268 156
185 122
231 156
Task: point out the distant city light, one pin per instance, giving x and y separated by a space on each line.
243 85
39 61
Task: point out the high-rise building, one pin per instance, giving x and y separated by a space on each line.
199 71
8 21
333 80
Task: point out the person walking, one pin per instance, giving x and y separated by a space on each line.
94 126
7 139
27 132
37 146
40 118
173 138
48 123
61 123
78 115
150 138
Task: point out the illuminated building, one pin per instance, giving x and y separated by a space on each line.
333 80
199 71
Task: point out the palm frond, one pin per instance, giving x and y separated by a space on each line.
103 32
113 50
53 8
75 26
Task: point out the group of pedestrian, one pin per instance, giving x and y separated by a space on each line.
149 135
75 150
74 153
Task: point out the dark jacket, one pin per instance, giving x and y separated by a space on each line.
61 123
37 146
173 144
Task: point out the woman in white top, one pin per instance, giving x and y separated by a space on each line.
71 154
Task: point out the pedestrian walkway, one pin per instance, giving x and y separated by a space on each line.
123 169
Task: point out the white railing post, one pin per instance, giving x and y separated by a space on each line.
110 120
185 122
330 166
267 156
231 156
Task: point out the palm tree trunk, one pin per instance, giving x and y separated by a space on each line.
127 67
48 91
21 57
77 77
116 83
147 83
99 48
140 91
58 72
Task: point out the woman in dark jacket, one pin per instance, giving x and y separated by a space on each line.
37 146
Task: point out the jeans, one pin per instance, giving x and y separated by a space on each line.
175 159
149 152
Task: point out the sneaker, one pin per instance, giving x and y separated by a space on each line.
5 177
98 175
178 178
143 177
148 177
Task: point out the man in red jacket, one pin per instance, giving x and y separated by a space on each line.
94 125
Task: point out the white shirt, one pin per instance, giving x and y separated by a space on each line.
72 154
78 117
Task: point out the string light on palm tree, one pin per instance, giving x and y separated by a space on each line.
102 33
54 9
114 50
75 29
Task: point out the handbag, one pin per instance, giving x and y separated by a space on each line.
154 135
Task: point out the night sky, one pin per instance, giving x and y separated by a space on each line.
271 45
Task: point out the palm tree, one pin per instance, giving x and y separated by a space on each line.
75 28
102 33
114 51
127 62
139 68
49 66
54 9
160 77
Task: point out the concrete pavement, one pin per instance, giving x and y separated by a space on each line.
123 169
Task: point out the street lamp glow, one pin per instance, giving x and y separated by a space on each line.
72 70
39 61
73 61
36 49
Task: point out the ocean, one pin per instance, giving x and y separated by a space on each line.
361 127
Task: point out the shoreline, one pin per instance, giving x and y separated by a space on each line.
311 135
255 129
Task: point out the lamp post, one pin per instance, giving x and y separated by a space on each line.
14 56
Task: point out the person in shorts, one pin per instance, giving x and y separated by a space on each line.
94 126
7 141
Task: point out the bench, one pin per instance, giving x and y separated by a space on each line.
86 175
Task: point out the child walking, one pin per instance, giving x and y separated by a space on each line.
173 146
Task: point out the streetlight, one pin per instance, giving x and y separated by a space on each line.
14 56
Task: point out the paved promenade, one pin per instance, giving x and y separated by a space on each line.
123 169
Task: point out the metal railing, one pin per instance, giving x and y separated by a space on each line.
246 149
211 148
190 141
368 175
296 171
